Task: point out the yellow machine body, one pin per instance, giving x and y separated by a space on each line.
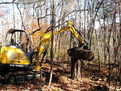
13 55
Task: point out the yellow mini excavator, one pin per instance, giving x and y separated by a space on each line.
16 56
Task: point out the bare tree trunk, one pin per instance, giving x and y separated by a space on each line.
51 50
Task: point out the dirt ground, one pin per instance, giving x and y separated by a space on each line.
90 80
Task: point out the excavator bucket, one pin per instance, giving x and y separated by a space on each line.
80 53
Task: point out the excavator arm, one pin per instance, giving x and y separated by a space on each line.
81 52
73 31
46 37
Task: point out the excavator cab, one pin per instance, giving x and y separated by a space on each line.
18 38
16 54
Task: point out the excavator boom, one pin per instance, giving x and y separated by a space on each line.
45 37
